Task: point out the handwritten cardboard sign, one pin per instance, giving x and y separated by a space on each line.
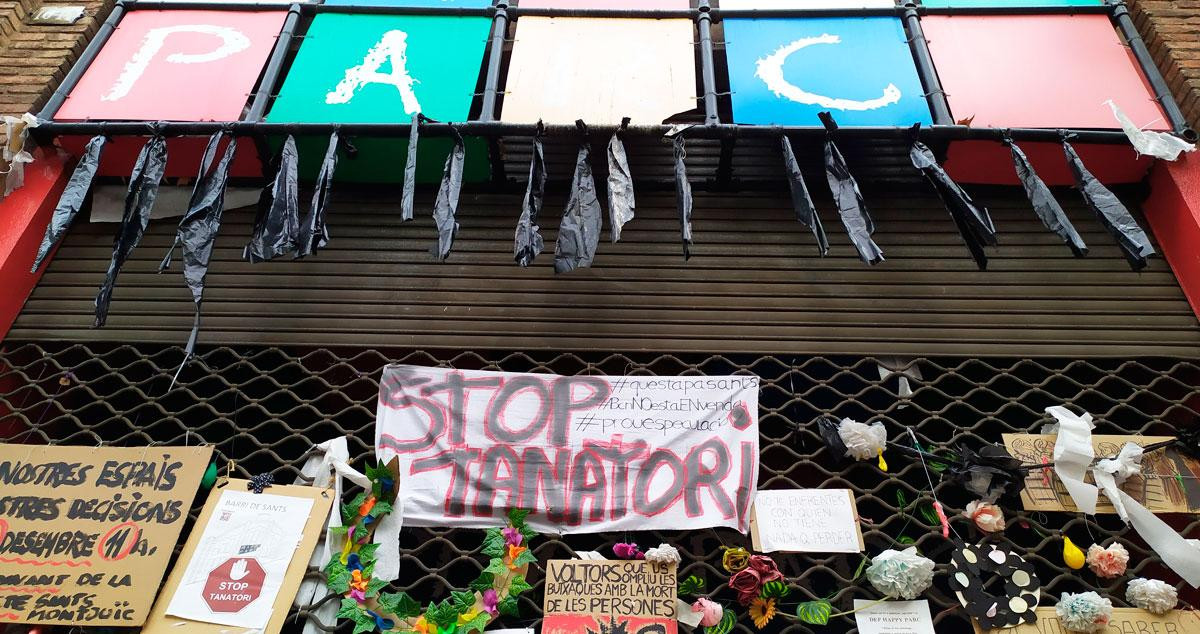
594 597
1159 488
806 521
86 532
1123 621
585 453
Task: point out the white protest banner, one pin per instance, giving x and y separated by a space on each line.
584 453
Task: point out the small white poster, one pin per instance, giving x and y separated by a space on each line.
893 617
806 521
241 559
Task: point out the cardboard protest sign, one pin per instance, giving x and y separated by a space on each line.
86 532
1168 482
1124 620
584 453
806 520
244 561
609 597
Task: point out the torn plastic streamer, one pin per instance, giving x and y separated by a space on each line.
806 211
199 226
278 220
72 199
410 169
846 195
621 203
827 426
139 201
683 196
1044 203
528 242
314 233
579 230
973 222
990 473
446 205
1111 212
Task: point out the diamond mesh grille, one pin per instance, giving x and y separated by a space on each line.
264 407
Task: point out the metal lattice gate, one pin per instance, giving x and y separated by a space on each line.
265 407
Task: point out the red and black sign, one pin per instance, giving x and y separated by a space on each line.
234 585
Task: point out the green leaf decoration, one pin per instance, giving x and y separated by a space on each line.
905 540
814 612
517 517
363 622
360 533
775 590
929 514
350 511
691 585
399 604
725 626
381 508
862 565
339 582
463 601
484 582
517 585
338 533
366 552
493 543
442 614
496 566
901 501
509 607
476 624
526 557
374 586
348 609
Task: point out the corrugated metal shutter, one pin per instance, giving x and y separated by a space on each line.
754 286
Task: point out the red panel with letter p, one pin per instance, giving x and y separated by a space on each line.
176 66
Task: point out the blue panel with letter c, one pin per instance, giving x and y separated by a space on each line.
783 71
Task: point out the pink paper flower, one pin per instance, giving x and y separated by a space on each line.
490 600
512 536
988 517
628 551
358 595
1108 562
711 609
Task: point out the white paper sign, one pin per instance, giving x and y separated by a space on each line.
239 564
806 521
585 453
893 617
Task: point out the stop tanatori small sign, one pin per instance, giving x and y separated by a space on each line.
234 585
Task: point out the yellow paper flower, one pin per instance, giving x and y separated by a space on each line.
735 559
421 627
468 616
762 611
1072 556
513 553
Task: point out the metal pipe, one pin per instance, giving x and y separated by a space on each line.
1096 9
314 9
270 80
83 63
707 64
938 104
1162 92
491 83
501 129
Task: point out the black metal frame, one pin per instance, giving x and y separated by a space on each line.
501 13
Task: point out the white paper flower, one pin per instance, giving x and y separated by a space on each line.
664 554
1152 595
900 574
987 516
1084 612
863 442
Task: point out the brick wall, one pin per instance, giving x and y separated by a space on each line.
1171 29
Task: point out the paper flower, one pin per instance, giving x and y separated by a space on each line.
1152 595
762 611
513 553
863 442
900 574
628 551
712 611
766 568
512 536
987 516
1108 562
1072 556
358 595
748 581
735 559
1084 612
424 627
491 599
664 554
467 617
358 581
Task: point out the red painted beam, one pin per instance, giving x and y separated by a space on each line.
1173 210
23 218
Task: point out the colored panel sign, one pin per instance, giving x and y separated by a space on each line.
682 451
600 70
1011 3
414 3
610 597
383 69
785 71
87 532
1044 71
176 65
807 4
605 4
